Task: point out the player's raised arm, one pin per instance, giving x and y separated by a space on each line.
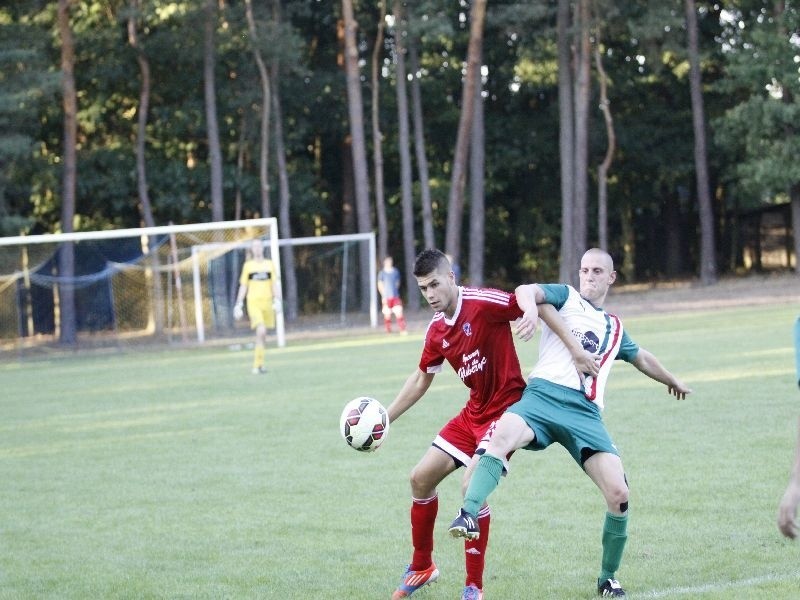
413 389
526 299
648 364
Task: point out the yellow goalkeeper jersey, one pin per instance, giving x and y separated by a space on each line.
257 275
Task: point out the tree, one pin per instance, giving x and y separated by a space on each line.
566 145
66 254
212 124
355 109
404 152
263 75
27 80
477 212
377 136
428 237
605 165
284 206
581 106
708 260
759 133
145 205
455 205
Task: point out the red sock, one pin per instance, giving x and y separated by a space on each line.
401 323
387 323
475 550
423 517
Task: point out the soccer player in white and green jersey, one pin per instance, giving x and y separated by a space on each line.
562 405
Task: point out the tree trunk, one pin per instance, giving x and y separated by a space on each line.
673 248
628 243
355 110
708 259
602 170
455 207
66 255
145 208
477 216
404 149
266 102
222 299
209 88
348 210
241 151
566 141
419 147
582 93
794 195
290 301
377 136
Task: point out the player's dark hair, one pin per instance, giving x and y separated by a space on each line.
428 261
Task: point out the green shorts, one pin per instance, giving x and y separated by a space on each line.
560 414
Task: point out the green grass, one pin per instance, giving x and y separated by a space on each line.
179 475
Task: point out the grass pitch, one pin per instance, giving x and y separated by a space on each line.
180 475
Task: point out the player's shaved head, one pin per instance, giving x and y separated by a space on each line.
601 255
429 261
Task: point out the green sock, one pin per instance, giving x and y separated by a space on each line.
485 478
614 537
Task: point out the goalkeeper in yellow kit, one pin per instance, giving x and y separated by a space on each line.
257 283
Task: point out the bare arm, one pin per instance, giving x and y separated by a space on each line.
527 296
787 511
648 364
531 300
242 293
238 310
413 389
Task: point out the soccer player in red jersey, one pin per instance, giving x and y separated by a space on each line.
471 330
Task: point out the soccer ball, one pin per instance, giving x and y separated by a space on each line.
364 424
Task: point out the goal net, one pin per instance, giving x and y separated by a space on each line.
174 284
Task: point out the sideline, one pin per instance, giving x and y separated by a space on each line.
720 586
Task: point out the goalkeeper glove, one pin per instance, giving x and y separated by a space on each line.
238 313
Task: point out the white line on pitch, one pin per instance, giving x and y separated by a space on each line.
720 586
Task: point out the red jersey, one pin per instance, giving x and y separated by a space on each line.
478 344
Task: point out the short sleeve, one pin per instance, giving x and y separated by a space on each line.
628 349
555 293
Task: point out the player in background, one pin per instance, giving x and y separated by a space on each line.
389 289
787 511
560 406
258 284
471 330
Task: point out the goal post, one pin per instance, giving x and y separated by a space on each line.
369 238
124 284
178 283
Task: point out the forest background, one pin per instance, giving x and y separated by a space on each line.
510 134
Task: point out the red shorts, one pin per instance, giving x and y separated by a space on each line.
392 302
462 439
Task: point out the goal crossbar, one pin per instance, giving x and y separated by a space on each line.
108 234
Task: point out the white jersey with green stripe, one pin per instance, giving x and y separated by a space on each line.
599 332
